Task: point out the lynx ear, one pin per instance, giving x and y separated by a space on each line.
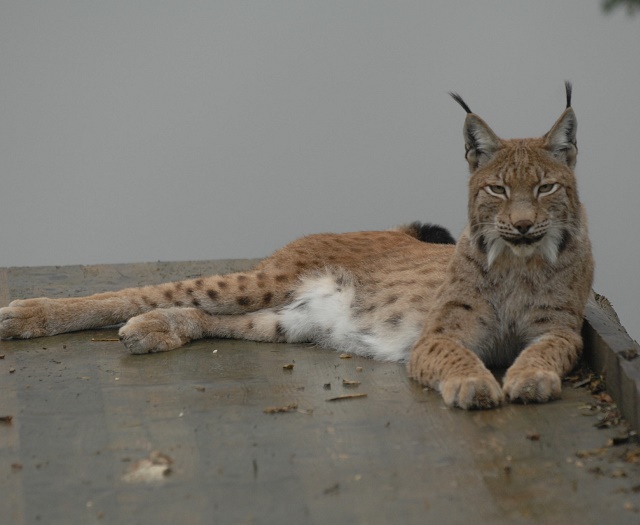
561 138
480 141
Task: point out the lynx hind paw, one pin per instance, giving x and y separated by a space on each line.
532 385
151 332
24 320
472 392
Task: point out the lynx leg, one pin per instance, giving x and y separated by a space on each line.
536 375
459 374
170 328
24 319
221 294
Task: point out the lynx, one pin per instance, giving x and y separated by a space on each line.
510 293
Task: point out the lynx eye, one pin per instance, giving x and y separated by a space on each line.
545 189
496 190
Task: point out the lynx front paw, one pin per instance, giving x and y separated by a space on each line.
25 319
471 392
156 331
532 385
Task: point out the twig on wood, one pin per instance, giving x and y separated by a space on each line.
346 396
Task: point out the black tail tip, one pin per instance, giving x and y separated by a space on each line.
431 233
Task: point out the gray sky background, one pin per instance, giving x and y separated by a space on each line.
156 130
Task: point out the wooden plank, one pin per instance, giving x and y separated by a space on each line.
87 414
612 353
11 486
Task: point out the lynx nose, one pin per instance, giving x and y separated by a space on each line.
523 226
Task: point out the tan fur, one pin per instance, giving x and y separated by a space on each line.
511 293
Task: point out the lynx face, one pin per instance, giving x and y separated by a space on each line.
522 192
524 201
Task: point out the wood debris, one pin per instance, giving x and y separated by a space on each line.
109 339
603 397
282 409
345 356
346 396
622 439
632 456
609 418
350 383
629 354
333 489
149 470
595 452
288 366
582 376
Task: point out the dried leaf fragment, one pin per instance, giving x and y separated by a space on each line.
6 419
288 366
345 356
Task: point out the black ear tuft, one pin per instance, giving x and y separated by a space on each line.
480 142
568 88
459 100
560 140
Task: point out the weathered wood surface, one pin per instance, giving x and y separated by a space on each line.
85 413
612 353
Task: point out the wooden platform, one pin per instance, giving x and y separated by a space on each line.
100 436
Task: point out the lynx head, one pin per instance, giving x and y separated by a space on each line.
523 198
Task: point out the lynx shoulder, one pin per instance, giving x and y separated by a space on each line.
510 293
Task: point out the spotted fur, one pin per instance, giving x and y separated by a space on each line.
510 293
